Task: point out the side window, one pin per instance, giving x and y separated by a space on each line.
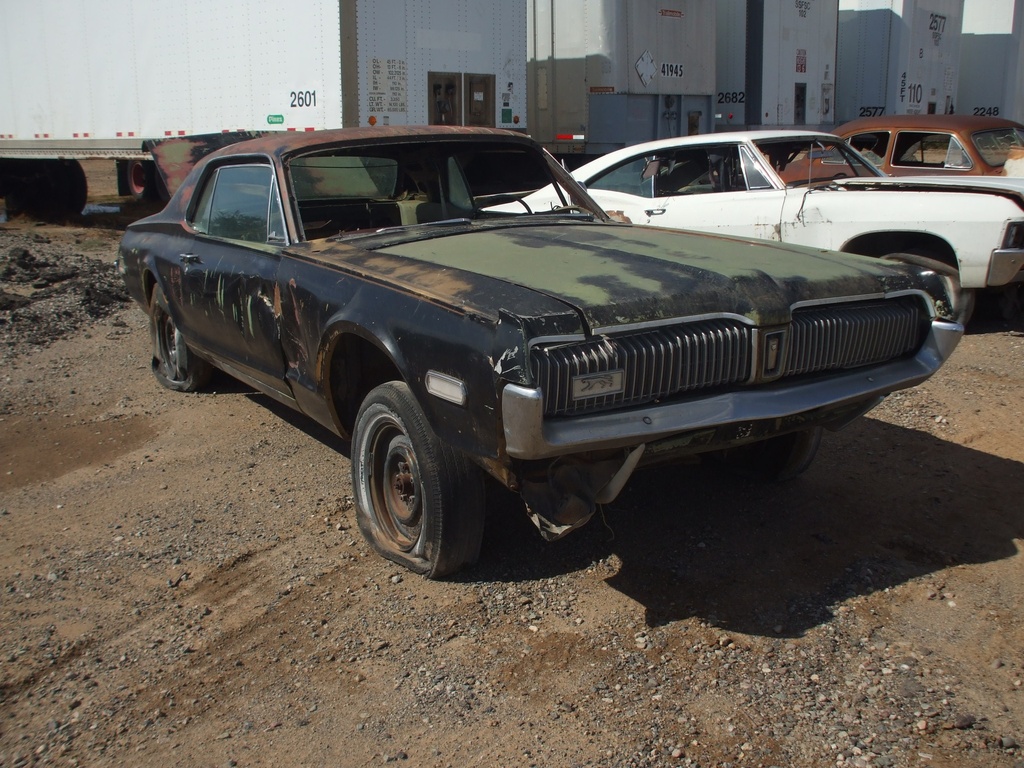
755 177
239 202
458 192
201 216
686 172
956 155
628 178
919 149
873 145
725 169
276 232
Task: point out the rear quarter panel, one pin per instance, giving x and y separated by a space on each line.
971 223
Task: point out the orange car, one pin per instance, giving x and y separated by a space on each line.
915 145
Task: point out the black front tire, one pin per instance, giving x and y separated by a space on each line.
1010 301
775 459
175 365
419 502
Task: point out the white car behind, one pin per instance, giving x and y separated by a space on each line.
812 189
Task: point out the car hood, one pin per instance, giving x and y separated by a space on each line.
1008 186
615 275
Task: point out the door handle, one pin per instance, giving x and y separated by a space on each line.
654 211
188 258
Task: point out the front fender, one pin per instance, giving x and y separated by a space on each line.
395 335
961 300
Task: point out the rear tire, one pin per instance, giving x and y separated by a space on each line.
419 502
175 365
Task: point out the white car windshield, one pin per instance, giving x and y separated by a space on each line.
813 161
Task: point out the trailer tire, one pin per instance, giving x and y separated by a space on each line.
139 180
12 204
76 187
47 189
135 178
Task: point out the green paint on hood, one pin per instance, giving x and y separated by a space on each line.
624 274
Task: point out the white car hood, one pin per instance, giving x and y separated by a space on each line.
1012 186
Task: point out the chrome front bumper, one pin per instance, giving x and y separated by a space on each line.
528 435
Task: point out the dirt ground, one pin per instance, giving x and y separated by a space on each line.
183 582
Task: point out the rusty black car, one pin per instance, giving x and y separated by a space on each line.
394 285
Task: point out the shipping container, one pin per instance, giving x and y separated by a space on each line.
100 78
603 74
897 57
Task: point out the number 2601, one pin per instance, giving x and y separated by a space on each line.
303 98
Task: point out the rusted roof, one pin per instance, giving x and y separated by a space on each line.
176 157
288 142
961 123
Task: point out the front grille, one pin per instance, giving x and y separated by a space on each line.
850 335
656 363
706 354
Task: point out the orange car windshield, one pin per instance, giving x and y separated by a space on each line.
994 144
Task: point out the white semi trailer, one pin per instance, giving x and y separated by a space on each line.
898 57
108 78
776 64
607 73
992 62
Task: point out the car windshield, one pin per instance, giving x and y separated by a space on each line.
813 161
354 189
995 144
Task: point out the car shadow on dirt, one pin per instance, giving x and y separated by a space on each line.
882 506
298 420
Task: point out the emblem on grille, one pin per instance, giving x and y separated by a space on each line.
773 354
598 384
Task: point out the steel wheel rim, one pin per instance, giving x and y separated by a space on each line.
171 349
136 177
393 484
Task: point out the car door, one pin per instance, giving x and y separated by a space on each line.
623 190
708 187
229 272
